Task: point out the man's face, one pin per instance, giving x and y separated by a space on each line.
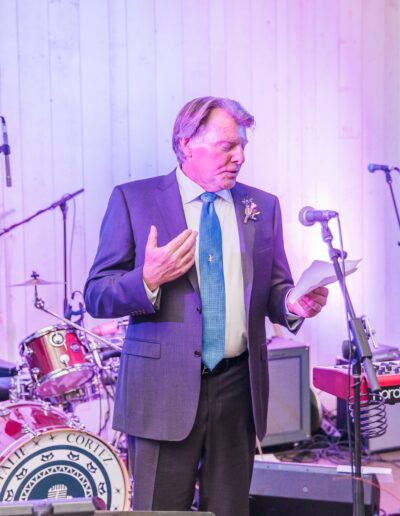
215 155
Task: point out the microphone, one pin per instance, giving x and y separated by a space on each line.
373 167
7 151
308 216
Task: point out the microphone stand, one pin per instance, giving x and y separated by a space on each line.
5 149
62 203
362 355
389 183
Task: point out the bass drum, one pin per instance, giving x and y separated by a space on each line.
42 457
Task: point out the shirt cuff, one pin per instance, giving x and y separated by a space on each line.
293 320
152 296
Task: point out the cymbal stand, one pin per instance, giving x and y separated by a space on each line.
362 354
62 203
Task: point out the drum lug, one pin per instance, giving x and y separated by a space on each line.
26 429
35 373
26 351
46 406
64 359
4 412
75 422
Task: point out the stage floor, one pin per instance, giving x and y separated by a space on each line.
390 487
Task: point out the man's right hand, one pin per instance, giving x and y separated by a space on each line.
163 264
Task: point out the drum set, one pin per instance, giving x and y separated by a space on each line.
56 439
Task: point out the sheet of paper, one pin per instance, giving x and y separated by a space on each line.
319 274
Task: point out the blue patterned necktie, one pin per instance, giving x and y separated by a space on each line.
212 285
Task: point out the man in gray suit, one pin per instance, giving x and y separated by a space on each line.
190 297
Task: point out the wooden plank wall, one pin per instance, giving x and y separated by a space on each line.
90 90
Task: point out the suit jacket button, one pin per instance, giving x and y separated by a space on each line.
199 309
197 353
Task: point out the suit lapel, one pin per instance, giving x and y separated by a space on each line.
246 238
171 213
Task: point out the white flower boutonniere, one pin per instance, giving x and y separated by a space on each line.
251 211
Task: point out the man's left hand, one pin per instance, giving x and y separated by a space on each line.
310 304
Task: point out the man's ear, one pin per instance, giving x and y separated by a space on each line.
186 147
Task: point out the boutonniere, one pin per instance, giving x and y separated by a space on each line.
251 211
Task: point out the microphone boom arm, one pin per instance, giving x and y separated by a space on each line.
373 167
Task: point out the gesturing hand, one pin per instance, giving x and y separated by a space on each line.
166 263
310 304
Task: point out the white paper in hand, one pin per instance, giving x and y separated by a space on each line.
319 274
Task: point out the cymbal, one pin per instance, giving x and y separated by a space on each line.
36 281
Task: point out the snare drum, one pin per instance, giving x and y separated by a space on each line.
41 457
57 360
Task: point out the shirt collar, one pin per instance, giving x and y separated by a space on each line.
190 190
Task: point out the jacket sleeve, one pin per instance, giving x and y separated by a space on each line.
281 280
114 287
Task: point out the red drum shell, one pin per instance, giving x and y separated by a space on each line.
27 417
57 360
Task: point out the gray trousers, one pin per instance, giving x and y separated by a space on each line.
218 452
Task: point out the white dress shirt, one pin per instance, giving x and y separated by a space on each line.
235 316
235 320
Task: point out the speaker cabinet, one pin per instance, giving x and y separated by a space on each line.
289 417
293 489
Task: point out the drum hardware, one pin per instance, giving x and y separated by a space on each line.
26 429
27 352
46 455
69 369
54 368
21 387
74 422
64 359
34 370
46 406
35 280
40 305
62 204
4 412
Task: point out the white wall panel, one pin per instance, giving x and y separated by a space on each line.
196 49
142 89
12 300
90 91
169 77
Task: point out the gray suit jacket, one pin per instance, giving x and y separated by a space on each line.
159 379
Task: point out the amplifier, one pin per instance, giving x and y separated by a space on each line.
292 489
390 440
289 408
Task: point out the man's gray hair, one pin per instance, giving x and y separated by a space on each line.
194 115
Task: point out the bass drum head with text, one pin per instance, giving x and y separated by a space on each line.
64 463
